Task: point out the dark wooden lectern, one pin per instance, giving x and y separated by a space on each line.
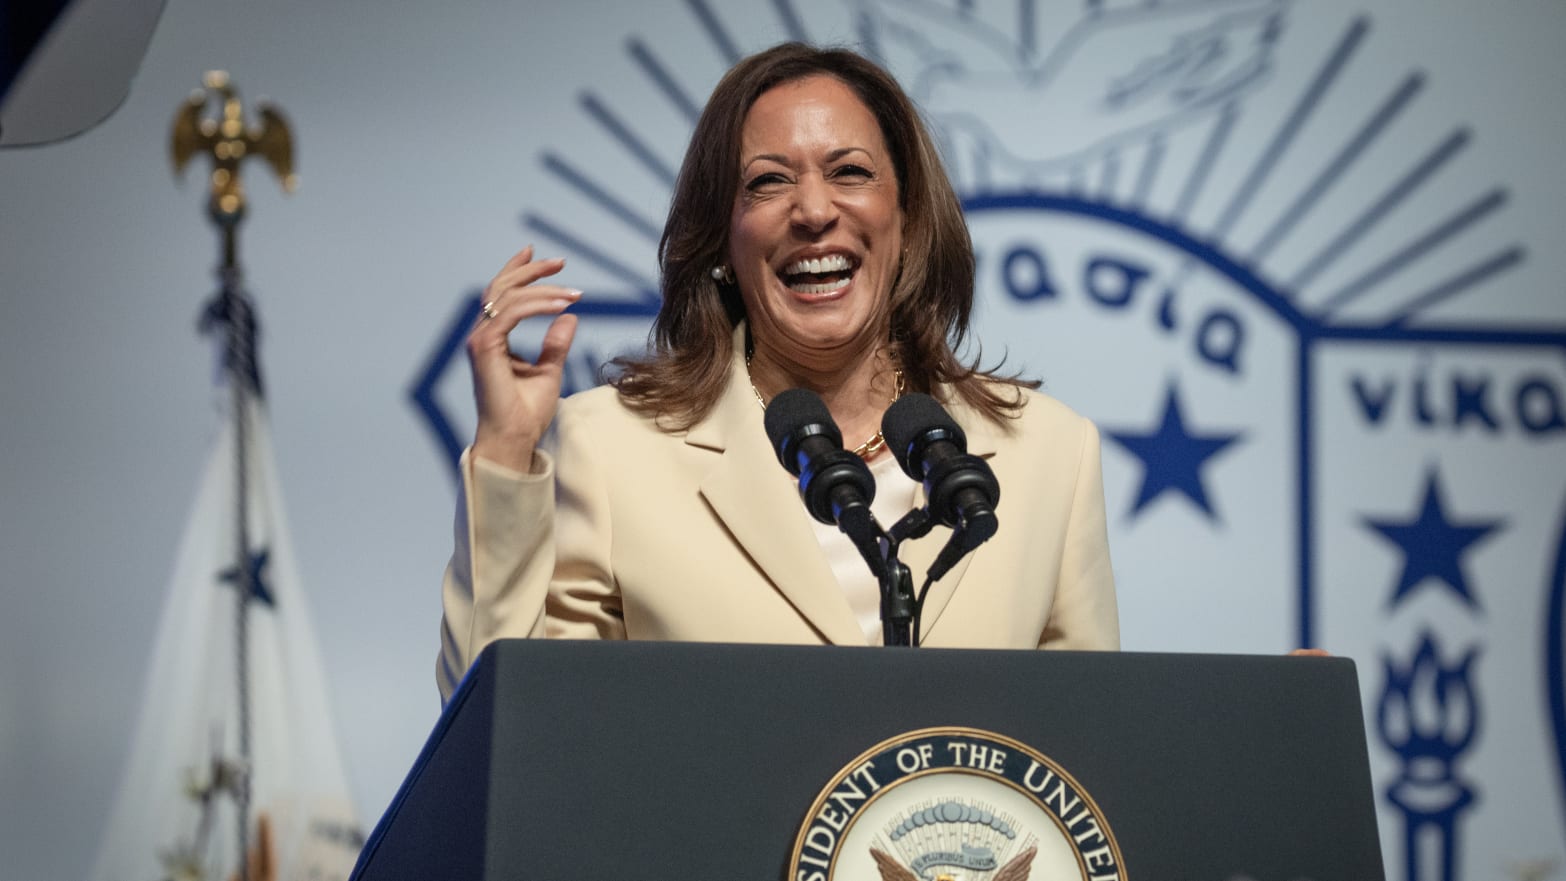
565 760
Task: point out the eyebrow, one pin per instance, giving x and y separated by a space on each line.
780 159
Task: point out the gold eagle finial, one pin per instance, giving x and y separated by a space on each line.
228 141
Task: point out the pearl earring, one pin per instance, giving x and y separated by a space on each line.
722 274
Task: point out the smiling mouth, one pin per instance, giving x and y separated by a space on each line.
820 275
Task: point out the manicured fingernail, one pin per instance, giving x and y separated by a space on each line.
573 293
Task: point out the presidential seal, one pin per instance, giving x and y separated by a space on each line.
954 804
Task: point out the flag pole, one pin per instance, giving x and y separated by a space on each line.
228 141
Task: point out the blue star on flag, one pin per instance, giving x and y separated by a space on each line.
1172 457
258 590
1433 545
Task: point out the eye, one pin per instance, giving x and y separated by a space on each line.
764 180
854 171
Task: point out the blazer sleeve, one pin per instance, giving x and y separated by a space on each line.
500 564
531 555
1085 615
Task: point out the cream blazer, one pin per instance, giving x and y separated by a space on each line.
633 532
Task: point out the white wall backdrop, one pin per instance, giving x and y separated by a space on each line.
1313 249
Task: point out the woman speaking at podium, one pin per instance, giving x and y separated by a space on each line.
813 241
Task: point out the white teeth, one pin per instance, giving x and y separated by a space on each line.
831 263
824 288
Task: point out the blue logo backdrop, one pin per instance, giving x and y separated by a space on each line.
1265 331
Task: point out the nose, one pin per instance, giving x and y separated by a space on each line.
814 207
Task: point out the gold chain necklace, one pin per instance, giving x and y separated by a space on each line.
865 450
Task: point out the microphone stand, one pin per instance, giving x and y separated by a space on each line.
899 606
879 551
899 609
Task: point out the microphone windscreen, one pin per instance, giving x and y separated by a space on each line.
794 415
909 420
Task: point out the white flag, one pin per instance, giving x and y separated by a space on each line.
175 816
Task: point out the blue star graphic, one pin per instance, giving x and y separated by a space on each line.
258 592
1433 545
1172 457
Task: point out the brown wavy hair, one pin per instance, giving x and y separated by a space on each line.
691 345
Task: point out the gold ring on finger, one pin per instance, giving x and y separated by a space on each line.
488 311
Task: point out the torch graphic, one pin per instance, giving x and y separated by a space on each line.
1429 717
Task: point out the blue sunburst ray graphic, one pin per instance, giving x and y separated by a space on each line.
617 129
596 256
1149 171
1394 195
600 196
793 25
1315 95
1212 148
1461 282
660 76
1298 116
715 31
1355 146
1412 251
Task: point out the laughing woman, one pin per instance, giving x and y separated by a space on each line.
813 241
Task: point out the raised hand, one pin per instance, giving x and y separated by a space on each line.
517 398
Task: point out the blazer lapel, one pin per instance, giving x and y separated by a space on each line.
919 555
759 503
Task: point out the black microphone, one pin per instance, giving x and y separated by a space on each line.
836 485
932 449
